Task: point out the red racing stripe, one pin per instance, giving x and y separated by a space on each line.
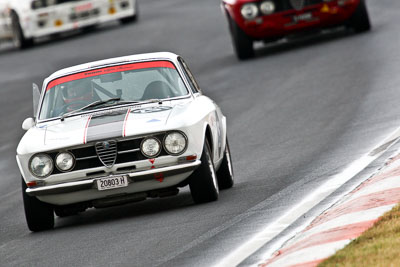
107 70
86 129
126 119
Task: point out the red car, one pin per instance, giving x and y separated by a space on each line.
270 20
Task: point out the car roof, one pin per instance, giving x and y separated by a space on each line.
113 61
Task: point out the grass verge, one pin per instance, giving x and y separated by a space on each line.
378 246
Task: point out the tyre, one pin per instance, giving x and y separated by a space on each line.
203 183
360 19
132 18
225 172
19 39
39 215
242 43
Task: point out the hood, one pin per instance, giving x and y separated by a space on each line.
107 125
100 125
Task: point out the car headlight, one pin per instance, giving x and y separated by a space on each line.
249 11
151 147
41 165
65 161
175 143
267 7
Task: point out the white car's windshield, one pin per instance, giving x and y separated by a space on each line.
121 84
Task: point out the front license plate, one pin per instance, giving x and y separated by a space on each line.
303 17
112 182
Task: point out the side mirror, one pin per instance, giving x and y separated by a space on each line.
36 98
28 123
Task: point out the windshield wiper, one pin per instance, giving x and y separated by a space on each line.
148 101
91 105
100 102
153 100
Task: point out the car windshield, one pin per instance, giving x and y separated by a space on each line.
111 86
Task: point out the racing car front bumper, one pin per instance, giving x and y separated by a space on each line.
72 16
283 23
141 181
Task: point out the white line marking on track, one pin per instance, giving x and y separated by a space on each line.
274 229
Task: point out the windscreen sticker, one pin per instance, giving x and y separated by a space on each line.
107 70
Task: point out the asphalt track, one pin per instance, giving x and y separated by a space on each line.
299 113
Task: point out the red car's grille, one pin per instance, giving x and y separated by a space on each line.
295 4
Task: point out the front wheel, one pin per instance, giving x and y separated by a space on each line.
132 18
242 43
39 215
360 19
225 172
203 182
19 39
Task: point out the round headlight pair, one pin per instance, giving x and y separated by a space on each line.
42 165
267 7
65 161
151 147
174 143
250 11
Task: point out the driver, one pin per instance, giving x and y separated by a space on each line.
77 94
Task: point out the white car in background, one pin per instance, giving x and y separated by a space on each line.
120 130
24 20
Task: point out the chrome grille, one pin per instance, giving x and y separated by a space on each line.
107 152
286 5
297 4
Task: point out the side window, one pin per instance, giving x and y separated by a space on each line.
193 84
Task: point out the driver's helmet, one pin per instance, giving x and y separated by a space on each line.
79 92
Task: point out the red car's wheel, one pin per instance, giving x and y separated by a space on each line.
242 43
360 20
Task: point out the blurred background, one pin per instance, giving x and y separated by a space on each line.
298 112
